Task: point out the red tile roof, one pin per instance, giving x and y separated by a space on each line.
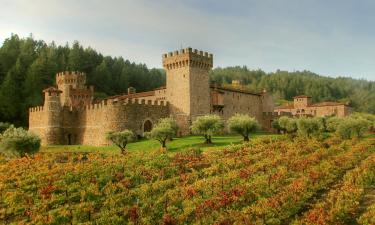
160 88
285 107
234 90
319 104
135 95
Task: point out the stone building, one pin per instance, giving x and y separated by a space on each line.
302 106
70 115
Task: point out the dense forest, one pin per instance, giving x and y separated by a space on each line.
27 66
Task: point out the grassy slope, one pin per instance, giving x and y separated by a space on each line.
176 145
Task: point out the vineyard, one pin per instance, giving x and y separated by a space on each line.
265 181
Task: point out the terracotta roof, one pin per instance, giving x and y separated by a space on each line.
234 90
52 89
135 95
319 104
160 88
285 107
302 96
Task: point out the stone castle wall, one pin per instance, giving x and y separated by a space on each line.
89 125
237 102
233 102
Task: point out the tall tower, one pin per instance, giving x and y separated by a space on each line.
188 85
52 117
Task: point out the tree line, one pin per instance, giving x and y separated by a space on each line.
27 66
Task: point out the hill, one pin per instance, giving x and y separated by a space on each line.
27 66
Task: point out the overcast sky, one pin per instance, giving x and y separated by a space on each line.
329 37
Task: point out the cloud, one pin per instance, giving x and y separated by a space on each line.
328 37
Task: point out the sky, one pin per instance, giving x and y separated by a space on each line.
328 37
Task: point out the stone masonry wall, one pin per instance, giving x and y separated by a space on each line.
95 121
237 102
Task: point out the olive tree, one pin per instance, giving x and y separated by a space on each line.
207 126
19 142
309 126
351 127
243 125
121 139
164 130
287 125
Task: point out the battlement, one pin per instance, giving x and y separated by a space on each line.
70 73
113 102
71 77
36 109
187 57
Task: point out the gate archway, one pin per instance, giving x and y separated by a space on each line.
147 126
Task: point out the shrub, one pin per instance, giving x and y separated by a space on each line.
121 139
243 125
207 126
164 130
350 128
309 126
287 125
19 142
4 127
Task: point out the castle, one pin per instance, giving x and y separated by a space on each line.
70 115
302 106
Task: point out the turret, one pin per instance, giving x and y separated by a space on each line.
67 82
52 110
188 88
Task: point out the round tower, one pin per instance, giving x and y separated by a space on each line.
52 116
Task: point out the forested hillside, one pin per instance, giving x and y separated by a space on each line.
27 66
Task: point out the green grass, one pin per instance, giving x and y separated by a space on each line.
177 144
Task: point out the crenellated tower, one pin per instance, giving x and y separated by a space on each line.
74 89
52 115
188 87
